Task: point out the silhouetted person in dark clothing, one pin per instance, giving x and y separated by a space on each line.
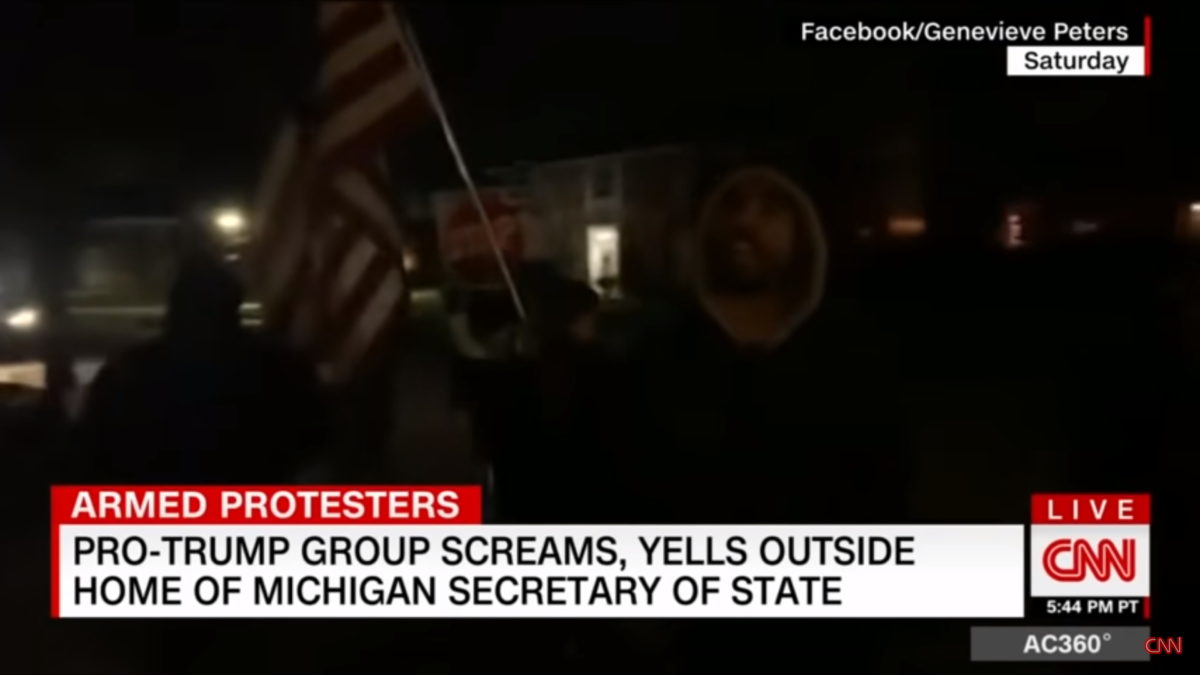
206 402
517 398
553 478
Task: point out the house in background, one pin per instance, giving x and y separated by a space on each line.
615 220
622 221
607 219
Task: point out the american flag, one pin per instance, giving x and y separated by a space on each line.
329 258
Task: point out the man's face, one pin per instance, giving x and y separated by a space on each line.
752 234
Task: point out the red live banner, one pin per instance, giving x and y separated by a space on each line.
1090 509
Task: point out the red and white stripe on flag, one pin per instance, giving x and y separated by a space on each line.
329 257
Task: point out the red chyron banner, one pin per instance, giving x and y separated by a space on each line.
264 505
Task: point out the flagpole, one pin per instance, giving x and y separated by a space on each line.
405 29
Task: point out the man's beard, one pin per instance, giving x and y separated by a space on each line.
725 275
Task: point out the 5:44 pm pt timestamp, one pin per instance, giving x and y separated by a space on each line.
1093 606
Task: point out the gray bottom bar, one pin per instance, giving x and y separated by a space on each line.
1059 643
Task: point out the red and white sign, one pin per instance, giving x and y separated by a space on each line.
1090 545
465 244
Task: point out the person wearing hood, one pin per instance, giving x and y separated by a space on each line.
765 401
758 398
207 402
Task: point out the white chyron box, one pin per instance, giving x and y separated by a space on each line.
1090 545
1123 61
422 551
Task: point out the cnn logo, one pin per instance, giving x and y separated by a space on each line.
1073 560
1158 645
1090 545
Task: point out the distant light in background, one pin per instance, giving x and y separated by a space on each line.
22 319
410 259
906 226
1014 231
1189 222
230 222
1084 227
27 374
251 313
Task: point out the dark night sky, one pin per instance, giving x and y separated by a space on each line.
175 101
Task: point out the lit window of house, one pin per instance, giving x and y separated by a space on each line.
603 258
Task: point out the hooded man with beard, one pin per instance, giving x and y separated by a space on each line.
763 401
